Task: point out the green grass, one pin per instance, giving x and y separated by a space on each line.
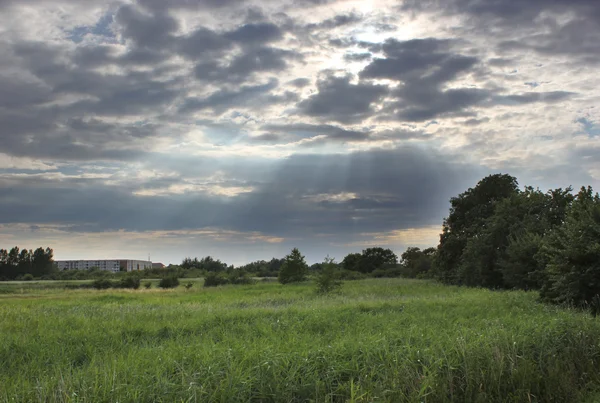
378 340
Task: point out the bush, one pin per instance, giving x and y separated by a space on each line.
328 279
102 284
215 279
147 285
27 277
240 277
387 273
351 275
169 282
132 282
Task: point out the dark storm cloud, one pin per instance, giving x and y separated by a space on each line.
401 188
339 100
300 82
357 57
513 12
303 130
335 22
424 66
145 30
252 34
18 92
542 20
530 97
202 42
259 60
223 99
162 5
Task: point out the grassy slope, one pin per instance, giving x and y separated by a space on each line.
379 340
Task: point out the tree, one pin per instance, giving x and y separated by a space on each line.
328 279
294 268
376 258
502 253
465 222
416 262
352 262
572 252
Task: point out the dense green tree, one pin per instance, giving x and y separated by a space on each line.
502 253
416 262
376 258
208 264
468 214
572 253
521 266
352 262
294 268
17 262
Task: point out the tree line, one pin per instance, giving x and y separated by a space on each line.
501 237
496 236
25 263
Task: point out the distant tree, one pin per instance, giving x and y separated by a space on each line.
316 267
352 262
42 262
293 269
572 252
328 278
416 262
376 258
207 264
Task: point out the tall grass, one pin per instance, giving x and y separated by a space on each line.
377 340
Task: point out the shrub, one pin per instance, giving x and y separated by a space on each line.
102 284
215 279
147 285
387 272
240 277
132 282
169 282
27 277
328 279
351 275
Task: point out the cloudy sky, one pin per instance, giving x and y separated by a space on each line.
240 129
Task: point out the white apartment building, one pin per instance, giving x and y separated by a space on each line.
114 265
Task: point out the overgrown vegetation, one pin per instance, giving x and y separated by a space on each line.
389 340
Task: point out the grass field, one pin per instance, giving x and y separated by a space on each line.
378 340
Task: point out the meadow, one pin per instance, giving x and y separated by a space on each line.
388 340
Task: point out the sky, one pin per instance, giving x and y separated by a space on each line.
241 129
